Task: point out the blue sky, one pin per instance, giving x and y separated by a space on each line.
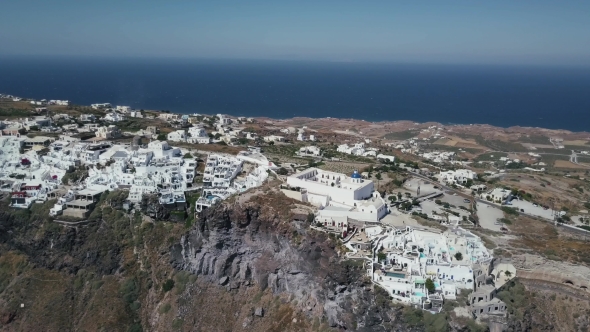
442 31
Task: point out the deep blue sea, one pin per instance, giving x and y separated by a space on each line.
498 95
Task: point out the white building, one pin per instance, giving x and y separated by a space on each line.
177 136
454 259
108 132
223 120
198 135
497 195
438 157
460 176
357 149
87 117
162 150
386 157
274 138
59 102
135 114
310 151
339 195
101 106
124 109
220 171
113 117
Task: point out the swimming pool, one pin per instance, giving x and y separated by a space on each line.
419 294
395 275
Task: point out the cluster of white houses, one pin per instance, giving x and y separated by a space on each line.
454 260
153 168
223 176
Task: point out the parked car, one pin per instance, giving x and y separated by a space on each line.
521 210
535 204
466 201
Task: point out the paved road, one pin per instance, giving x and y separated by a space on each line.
446 188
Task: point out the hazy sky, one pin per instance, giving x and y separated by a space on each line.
449 31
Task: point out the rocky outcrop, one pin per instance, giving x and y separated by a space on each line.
238 247
536 267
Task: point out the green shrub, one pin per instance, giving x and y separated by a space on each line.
510 210
430 286
168 285
165 308
129 290
135 327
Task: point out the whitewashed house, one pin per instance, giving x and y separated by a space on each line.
177 136
113 117
198 135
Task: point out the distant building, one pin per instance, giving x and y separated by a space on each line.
177 136
101 106
109 132
113 117
87 117
124 109
274 138
198 135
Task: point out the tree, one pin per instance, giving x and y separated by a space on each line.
381 256
378 176
459 256
430 286
508 274
282 171
162 137
187 155
392 198
271 143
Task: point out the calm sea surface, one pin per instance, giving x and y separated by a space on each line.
502 96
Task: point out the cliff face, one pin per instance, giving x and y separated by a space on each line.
239 247
243 266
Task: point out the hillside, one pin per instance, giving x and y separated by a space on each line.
244 265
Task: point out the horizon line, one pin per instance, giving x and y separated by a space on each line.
291 60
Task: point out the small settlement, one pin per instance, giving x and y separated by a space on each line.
78 160
81 161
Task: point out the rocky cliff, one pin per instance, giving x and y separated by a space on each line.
245 265
240 247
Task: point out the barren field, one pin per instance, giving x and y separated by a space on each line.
577 142
343 167
459 142
569 164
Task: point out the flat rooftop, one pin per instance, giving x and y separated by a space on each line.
79 202
88 192
335 208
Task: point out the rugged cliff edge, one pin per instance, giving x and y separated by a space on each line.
240 247
245 265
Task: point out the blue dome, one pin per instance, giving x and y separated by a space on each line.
355 175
